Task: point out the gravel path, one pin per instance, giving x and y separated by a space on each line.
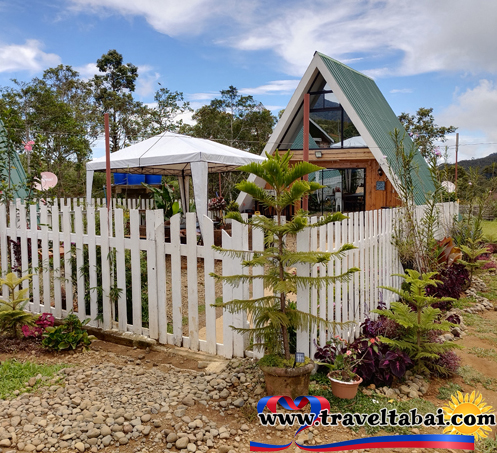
133 408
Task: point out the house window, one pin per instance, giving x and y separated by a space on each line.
330 126
344 190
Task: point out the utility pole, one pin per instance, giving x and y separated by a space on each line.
107 160
457 150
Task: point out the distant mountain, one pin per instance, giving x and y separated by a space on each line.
480 163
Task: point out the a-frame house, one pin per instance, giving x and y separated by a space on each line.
349 128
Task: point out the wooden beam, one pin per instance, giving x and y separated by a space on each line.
328 155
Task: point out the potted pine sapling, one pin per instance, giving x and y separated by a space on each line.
272 317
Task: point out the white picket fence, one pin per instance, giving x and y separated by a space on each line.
123 273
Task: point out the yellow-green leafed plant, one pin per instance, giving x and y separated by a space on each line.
471 253
273 316
12 314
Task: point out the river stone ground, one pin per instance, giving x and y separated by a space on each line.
128 401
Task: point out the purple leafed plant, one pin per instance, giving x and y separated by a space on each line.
455 280
380 364
44 320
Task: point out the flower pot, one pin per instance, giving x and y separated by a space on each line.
292 382
344 390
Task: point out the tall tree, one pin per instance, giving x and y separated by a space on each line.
423 130
235 120
162 116
112 90
57 113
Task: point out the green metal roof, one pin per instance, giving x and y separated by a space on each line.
380 121
17 173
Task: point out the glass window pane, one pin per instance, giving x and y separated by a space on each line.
343 190
325 128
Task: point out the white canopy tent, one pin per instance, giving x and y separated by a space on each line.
175 154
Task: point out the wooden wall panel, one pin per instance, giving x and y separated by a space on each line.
356 158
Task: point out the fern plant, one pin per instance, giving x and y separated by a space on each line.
416 314
273 316
471 254
12 314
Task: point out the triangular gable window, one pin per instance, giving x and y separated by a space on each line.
329 125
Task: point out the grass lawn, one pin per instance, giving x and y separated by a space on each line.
14 375
490 229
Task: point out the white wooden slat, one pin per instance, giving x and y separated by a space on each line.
176 281
192 279
228 266
78 229
245 285
323 301
209 285
161 274
122 311
366 269
23 235
314 289
66 229
362 266
303 301
152 280
237 318
134 227
56 251
384 261
338 286
358 310
258 285
330 271
33 219
356 255
388 247
375 296
3 247
13 233
92 263
45 262
105 266
345 285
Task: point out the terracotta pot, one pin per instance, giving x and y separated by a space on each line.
344 390
292 382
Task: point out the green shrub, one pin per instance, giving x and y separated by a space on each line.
69 335
420 320
12 314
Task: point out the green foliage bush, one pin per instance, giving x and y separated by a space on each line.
416 314
12 314
69 335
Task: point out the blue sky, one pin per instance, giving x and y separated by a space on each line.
439 54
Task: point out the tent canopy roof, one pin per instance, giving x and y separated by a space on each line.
171 154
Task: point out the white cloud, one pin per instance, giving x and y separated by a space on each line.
171 17
146 84
275 108
401 90
87 71
414 37
474 112
202 96
26 57
274 87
